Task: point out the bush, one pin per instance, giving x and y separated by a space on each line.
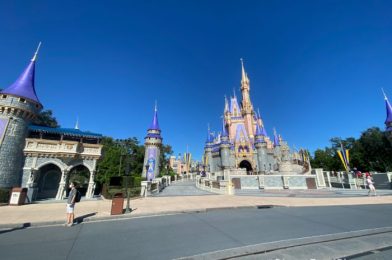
5 195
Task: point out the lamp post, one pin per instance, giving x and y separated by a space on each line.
127 208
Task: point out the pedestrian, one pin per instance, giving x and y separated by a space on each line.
71 204
371 185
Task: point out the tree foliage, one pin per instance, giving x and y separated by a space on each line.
46 118
121 156
371 152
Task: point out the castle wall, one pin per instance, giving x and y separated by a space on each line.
15 116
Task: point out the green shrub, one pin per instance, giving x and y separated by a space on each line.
5 195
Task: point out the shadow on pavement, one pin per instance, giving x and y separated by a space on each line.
25 225
81 218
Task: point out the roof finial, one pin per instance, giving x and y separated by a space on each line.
156 106
385 96
234 94
77 123
36 52
243 70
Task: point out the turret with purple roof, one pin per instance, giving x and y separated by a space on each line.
388 120
19 105
152 144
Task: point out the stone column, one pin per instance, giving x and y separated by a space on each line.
62 185
91 186
31 185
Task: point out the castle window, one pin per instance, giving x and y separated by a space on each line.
3 96
22 100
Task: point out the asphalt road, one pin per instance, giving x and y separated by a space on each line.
173 236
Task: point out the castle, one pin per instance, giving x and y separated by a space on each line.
42 159
243 144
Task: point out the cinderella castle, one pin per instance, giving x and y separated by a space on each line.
243 144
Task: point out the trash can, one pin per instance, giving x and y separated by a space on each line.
18 196
117 204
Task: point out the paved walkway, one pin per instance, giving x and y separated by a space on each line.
183 188
51 213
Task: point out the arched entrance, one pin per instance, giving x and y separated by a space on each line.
246 165
80 175
48 181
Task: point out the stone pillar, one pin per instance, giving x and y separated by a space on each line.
91 186
61 192
31 185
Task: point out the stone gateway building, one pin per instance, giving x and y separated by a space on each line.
40 158
243 146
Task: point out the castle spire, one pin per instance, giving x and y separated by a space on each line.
77 123
226 105
24 86
259 131
243 78
224 131
154 124
36 52
276 139
388 120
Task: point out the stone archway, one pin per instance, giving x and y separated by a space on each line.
49 177
80 174
245 164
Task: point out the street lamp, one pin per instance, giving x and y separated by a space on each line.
127 208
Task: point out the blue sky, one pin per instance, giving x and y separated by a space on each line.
316 67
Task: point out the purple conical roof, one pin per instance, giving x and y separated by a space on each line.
276 139
154 124
258 130
224 131
264 132
388 120
24 85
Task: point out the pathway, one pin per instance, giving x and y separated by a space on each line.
183 188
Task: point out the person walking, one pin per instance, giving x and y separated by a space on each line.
371 185
71 204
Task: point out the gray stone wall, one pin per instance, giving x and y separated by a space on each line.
11 152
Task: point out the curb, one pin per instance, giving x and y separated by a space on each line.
254 250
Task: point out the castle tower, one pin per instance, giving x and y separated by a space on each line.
388 120
261 146
152 144
208 152
247 107
224 147
19 105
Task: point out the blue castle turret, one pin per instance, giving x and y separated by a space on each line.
19 105
388 120
152 144
224 147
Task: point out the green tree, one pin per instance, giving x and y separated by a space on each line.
166 152
127 151
46 118
371 152
376 150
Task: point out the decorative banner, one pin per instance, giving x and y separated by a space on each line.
151 162
3 128
344 156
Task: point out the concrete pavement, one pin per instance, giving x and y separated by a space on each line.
50 213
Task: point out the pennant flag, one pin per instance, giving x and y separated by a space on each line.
344 156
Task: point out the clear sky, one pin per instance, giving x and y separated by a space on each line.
315 67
